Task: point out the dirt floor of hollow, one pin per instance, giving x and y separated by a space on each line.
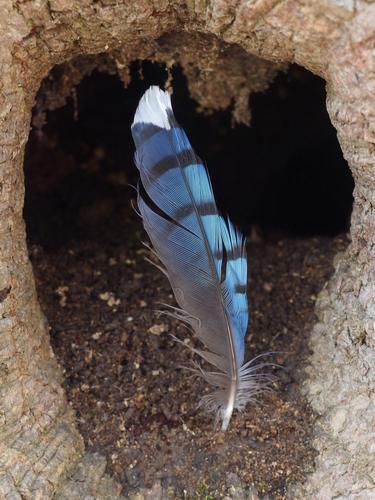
134 403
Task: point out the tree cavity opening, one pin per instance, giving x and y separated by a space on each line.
283 181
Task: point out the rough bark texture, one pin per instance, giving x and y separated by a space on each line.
41 452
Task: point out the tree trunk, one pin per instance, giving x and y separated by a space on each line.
41 452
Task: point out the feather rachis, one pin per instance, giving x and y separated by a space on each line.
195 244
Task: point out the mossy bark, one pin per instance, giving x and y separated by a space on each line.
41 452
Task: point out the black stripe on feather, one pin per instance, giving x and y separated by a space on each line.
206 208
233 255
144 131
182 159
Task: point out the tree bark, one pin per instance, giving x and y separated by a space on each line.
41 452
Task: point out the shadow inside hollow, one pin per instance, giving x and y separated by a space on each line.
285 174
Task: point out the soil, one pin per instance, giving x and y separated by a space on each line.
122 369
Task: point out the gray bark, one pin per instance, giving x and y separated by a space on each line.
41 452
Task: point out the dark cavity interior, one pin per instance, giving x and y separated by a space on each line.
284 181
285 174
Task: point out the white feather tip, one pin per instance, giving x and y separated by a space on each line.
153 108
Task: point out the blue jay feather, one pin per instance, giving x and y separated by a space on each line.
201 252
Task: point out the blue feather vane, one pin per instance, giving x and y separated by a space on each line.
201 252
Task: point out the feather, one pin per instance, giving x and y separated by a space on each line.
201 252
